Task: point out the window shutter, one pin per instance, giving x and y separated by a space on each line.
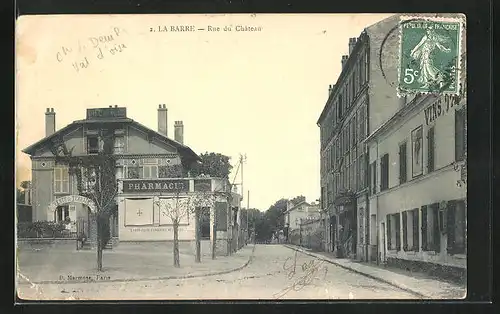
459 134
402 163
436 234
450 227
388 232
415 230
398 232
423 211
405 231
430 150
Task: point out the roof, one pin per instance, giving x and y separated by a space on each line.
359 42
183 149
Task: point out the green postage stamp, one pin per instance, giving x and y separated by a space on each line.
430 55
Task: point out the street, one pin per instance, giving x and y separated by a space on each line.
275 272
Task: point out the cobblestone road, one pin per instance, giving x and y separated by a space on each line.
276 272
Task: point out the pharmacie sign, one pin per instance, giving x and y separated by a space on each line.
155 185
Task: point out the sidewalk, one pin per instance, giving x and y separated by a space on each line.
425 287
123 263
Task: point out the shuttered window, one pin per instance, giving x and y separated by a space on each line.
398 231
430 149
405 231
384 172
460 137
389 232
415 230
423 211
436 235
402 163
455 213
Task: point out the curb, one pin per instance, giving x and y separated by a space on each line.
399 286
223 272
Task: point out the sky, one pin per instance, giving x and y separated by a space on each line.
257 93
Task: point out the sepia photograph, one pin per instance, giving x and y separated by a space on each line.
241 157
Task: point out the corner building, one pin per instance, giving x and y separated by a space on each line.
149 165
366 83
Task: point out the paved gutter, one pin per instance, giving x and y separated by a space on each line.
397 285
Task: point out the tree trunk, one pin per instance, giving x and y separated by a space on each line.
214 234
99 245
197 235
177 262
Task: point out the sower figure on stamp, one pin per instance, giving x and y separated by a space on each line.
423 51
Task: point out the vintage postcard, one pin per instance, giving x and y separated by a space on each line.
241 156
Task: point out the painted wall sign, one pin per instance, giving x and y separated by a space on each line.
155 185
440 107
72 199
106 113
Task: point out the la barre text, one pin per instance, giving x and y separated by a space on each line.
192 28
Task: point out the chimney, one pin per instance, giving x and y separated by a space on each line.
330 89
179 132
344 60
162 120
352 43
50 122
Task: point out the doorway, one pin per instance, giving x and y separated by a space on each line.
333 232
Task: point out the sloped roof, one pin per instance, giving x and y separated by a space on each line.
184 150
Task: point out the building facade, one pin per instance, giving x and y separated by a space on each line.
349 116
149 166
296 212
417 161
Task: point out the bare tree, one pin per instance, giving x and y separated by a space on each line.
178 207
96 179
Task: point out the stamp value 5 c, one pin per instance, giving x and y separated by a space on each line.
429 59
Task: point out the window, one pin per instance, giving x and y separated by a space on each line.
373 177
402 163
384 172
430 149
150 172
431 235
134 172
119 144
393 232
61 213
339 107
460 134
92 144
61 180
456 230
353 86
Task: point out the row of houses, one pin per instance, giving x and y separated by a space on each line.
393 171
150 166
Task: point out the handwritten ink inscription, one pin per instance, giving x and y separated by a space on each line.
93 48
308 272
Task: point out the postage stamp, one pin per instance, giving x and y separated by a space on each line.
430 55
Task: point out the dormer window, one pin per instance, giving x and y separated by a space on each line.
92 144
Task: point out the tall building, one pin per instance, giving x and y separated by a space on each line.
149 166
350 114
